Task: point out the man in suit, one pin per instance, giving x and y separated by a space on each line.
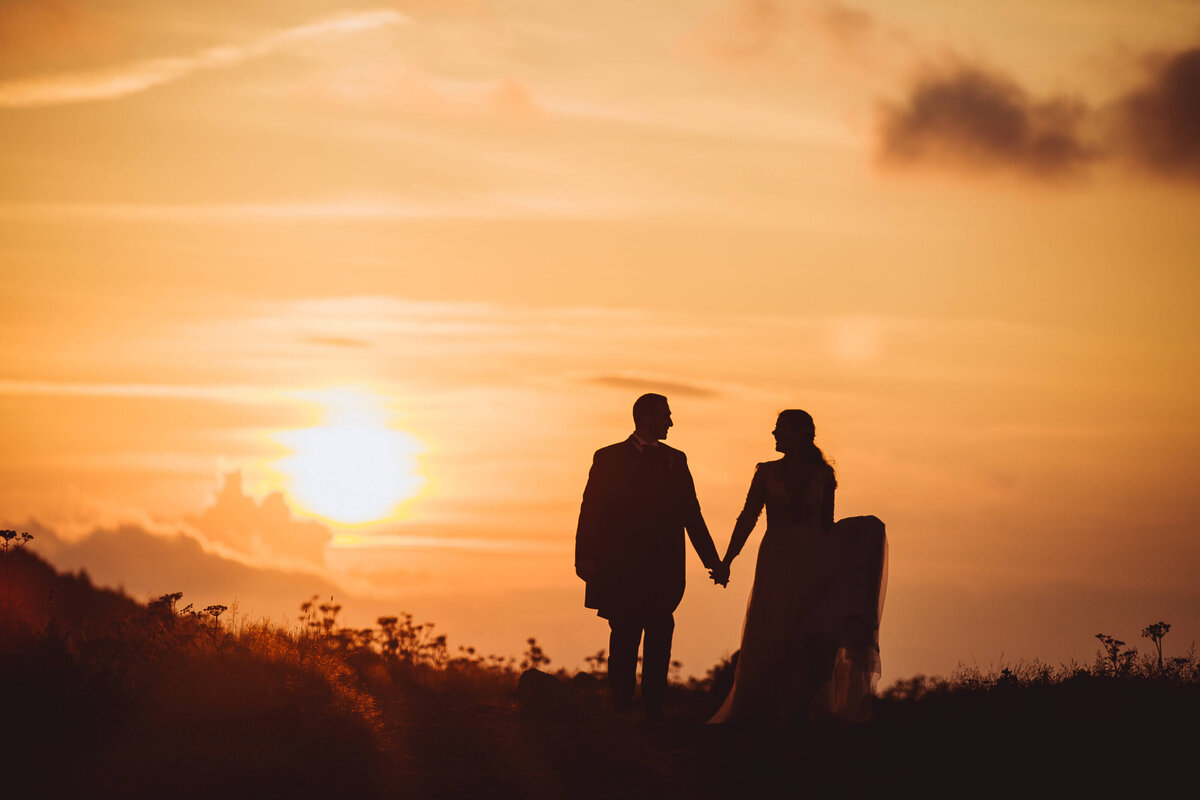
629 549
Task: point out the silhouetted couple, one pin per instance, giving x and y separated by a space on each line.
810 644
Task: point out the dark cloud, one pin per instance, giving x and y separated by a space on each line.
263 530
968 117
971 118
644 385
1158 124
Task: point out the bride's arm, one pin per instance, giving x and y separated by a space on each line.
755 499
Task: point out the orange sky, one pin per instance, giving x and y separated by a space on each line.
441 247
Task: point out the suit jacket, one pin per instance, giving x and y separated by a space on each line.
635 509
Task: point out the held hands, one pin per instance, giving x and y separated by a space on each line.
720 574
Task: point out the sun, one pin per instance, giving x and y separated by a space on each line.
353 469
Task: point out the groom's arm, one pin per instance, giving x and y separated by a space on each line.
589 533
693 521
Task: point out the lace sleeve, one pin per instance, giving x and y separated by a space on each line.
755 499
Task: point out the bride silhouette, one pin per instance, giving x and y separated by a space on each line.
810 643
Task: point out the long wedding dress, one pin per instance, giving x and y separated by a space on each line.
810 643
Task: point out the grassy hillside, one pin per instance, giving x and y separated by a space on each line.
109 697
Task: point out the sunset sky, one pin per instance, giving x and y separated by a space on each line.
326 298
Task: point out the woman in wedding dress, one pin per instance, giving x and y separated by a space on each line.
810 643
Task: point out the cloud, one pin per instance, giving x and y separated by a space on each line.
138 76
748 29
971 118
850 26
227 393
642 384
470 543
814 38
1159 123
968 117
263 530
149 564
338 341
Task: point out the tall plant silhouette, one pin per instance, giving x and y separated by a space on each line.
1120 660
215 611
10 542
534 657
1155 633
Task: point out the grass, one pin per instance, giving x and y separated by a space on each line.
109 697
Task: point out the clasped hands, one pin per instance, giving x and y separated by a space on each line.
720 573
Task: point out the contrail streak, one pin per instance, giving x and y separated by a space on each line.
138 76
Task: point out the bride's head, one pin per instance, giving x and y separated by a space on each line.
794 433
793 430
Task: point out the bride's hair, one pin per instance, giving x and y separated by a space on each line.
801 423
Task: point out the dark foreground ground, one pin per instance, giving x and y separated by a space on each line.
104 697
1093 736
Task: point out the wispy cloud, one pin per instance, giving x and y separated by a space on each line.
138 76
467 543
646 384
804 35
226 212
231 394
338 341
540 203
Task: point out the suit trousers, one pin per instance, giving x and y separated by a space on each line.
627 633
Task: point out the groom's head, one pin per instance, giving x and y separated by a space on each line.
651 417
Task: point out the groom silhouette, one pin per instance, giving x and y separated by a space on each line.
629 549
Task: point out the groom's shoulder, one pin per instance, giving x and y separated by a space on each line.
612 450
674 455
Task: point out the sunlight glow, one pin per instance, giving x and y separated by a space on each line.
354 469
